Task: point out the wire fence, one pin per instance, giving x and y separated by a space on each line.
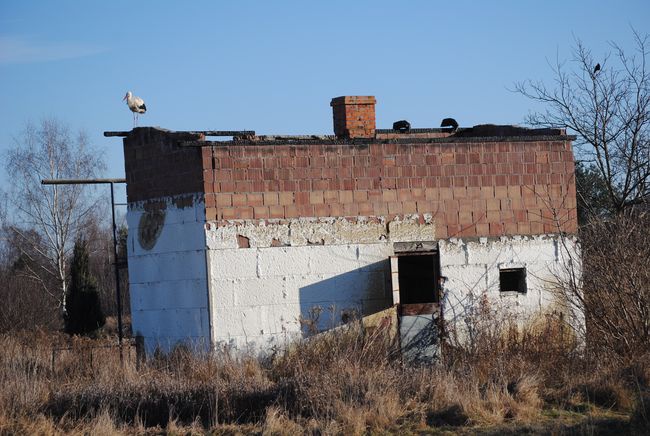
89 356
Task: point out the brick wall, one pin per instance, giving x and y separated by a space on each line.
354 116
471 188
157 167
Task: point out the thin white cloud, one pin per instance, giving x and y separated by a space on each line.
18 50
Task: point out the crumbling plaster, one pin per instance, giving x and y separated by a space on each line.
320 231
294 271
196 282
471 271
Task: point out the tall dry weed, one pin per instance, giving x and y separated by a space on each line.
277 423
343 382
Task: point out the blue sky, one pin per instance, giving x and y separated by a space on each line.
273 67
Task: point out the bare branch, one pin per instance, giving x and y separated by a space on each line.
609 111
48 219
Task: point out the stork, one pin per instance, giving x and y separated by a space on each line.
137 106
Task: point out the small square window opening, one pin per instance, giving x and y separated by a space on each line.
512 280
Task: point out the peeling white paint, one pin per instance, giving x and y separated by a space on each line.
290 285
321 231
472 269
168 281
196 284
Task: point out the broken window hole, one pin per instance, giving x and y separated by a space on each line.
512 280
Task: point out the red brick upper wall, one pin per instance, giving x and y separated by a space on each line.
482 188
156 166
484 181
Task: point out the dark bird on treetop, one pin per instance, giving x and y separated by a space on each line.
449 122
596 68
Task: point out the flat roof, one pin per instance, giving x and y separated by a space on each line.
479 133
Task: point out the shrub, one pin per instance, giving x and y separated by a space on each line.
83 312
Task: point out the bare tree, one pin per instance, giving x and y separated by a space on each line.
607 104
47 219
23 305
610 283
3 209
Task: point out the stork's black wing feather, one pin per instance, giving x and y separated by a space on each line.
143 107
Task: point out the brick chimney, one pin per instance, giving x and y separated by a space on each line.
354 116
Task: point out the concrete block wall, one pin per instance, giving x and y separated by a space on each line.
298 276
471 268
261 294
167 273
263 297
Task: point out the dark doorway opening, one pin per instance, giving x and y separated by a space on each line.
416 291
419 276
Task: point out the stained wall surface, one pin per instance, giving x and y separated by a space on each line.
296 277
471 268
167 274
255 241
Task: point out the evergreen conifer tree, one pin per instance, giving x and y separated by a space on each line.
83 311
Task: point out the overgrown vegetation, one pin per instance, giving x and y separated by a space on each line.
616 283
538 378
83 310
534 378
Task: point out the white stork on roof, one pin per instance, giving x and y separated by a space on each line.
137 106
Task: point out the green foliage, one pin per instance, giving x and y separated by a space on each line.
83 311
593 196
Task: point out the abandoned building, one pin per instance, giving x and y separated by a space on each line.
239 242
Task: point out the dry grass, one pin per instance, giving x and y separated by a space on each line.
344 383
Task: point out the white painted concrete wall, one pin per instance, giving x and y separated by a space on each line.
323 268
196 285
259 296
168 283
472 272
265 295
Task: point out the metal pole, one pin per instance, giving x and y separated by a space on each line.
116 266
117 272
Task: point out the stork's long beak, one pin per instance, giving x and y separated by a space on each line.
124 97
